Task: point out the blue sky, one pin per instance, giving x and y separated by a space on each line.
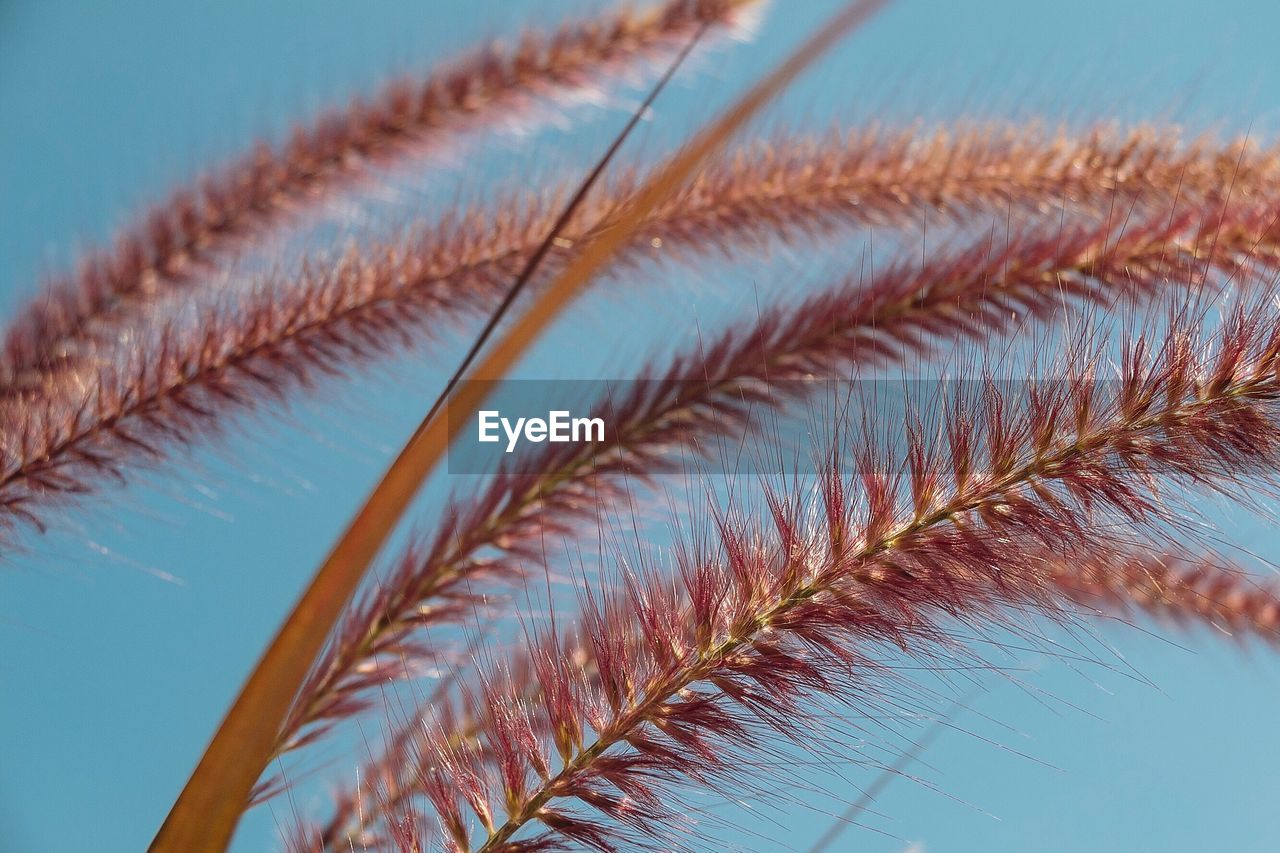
127 629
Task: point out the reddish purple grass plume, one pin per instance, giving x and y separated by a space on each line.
185 235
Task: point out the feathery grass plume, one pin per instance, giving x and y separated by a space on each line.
188 233
89 421
1110 583
885 176
788 187
683 683
907 309
1062 470
1181 590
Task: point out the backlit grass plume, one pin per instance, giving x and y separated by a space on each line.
189 233
1205 590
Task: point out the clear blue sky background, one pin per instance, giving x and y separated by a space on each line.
112 677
